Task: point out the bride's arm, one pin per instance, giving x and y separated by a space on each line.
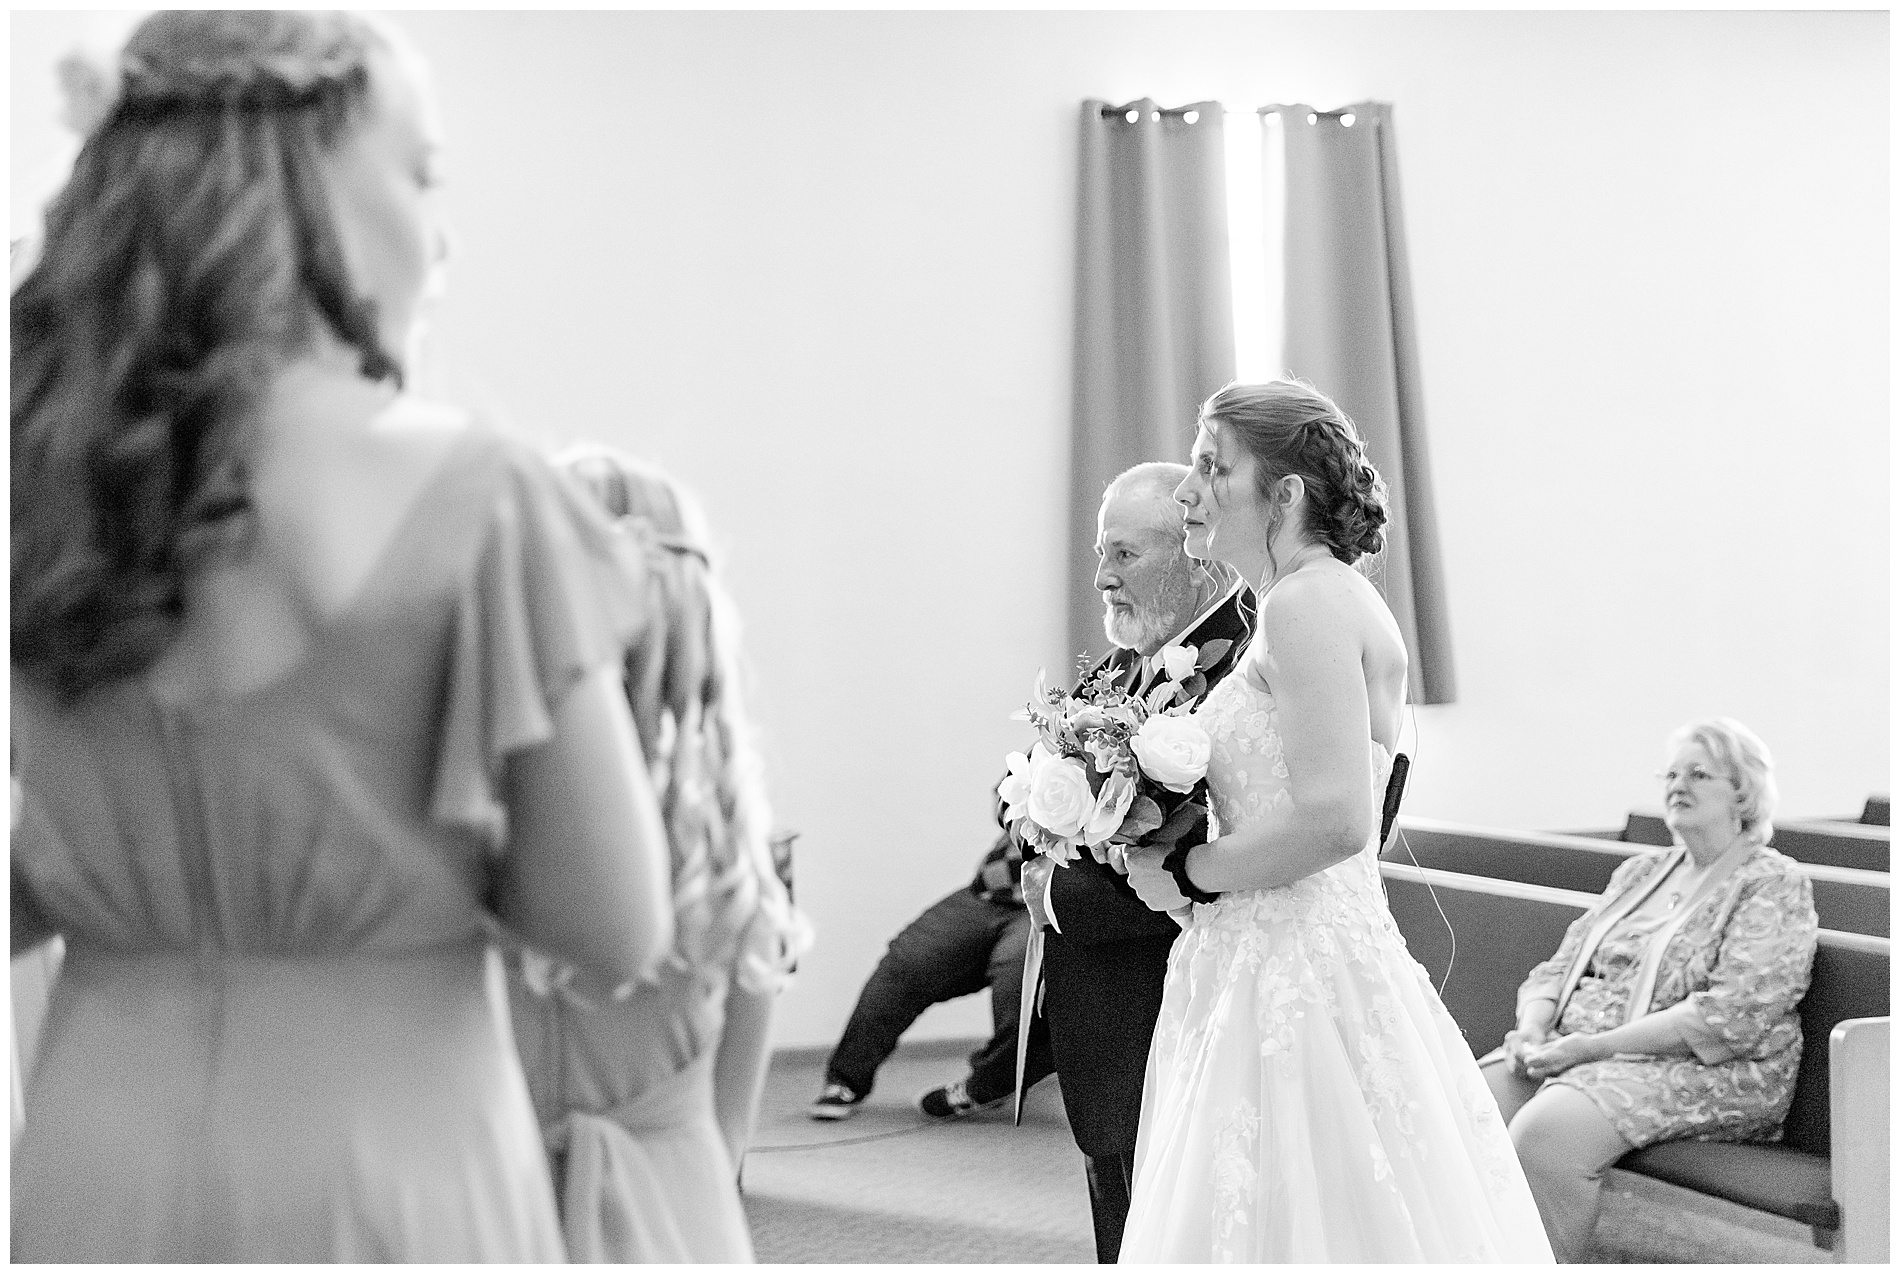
1311 658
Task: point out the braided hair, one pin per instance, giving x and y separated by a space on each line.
189 254
1292 428
682 683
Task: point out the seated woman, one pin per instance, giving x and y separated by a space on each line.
647 1099
1669 1010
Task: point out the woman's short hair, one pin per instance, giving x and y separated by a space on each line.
191 250
1291 428
682 682
1745 761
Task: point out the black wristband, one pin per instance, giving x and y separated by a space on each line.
1175 864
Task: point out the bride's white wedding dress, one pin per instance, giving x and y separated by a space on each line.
1308 1098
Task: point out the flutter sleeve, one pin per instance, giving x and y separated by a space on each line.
1761 971
554 593
1546 980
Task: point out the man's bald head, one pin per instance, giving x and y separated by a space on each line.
1151 484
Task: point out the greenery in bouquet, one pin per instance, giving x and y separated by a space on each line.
1110 767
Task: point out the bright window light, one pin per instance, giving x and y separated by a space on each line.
1256 230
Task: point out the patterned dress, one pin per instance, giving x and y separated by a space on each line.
1731 979
1308 1098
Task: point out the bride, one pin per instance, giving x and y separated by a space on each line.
1308 1098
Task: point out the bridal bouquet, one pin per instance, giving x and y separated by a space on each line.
1110 767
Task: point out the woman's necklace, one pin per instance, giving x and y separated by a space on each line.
1686 885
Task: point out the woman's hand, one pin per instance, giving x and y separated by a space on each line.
1527 1038
1541 1061
1151 881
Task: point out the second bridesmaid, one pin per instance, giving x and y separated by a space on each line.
647 1099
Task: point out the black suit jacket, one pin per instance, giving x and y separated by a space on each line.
1104 970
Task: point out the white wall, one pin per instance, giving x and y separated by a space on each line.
820 265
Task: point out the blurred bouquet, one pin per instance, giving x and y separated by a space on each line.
1110 767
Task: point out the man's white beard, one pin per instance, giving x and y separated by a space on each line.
1141 628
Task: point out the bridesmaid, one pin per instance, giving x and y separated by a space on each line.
314 689
648 1099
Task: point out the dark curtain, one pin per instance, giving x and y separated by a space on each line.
1351 332
1154 310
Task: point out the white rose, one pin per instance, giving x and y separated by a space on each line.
1014 789
1178 662
1173 751
1111 807
1059 796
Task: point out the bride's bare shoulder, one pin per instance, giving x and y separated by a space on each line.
1327 602
1321 592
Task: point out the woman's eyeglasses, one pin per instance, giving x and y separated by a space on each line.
1695 774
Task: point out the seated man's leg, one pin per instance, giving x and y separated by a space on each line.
942 954
993 1066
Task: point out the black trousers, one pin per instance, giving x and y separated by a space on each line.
958 946
1102 1000
1111 1185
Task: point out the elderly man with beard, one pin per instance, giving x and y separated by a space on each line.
1106 953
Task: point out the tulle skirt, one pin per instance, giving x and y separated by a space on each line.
1308 1098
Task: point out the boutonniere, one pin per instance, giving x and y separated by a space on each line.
1185 668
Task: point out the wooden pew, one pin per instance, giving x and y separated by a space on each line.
1845 899
1580 863
1793 1181
1836 844
1861 1096
1503 929
1782 1197
1859 846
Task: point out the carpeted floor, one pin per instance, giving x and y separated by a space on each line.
891 1185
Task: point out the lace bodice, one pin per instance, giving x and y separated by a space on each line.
1247 781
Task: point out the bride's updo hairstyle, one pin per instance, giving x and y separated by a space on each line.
1291 428
190 253
682 682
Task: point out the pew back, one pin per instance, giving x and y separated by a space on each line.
1504 927
1852 974
1845 899
1836 844
1577 863
1863 847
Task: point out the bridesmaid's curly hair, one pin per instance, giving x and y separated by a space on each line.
191 251
682 682
1292 428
